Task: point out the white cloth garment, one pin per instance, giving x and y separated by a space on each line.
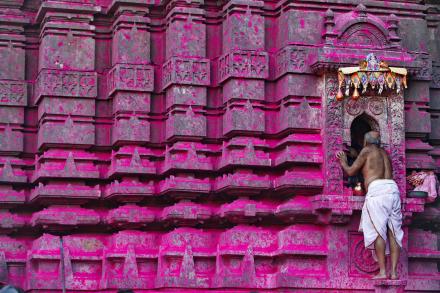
381 208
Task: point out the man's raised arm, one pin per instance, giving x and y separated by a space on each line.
356 166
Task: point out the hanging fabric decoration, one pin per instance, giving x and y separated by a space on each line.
370 73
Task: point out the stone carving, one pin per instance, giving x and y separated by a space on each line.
243 64
125 77
13 93
179 70
186 124
66 83
435 82
290 59
301 116
364 34
361 259
245 118
376 106
354 107
397 144
136 128
333 140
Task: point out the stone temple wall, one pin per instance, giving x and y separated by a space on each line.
189 145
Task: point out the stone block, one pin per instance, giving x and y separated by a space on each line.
243 64
129 102
13 253
186 157
187 259
246 89
131 216
66 107
12 115
82 261
65 164
186 123
11 172
303 239
66 83
14 68
13 93
244 210
64 217
66 132
435 82
128 77
186 71
70 51
185 95
131 162
10 197
243 27
304 181
186 32
186 213
435 127
299 85
300 153
75 193
129 190
299 26
300 116
185 186
11 140
297 209
10 222
43 267
131 40
242 183
243 118
130 129
291 59
417 120
417 91
244 154
131 260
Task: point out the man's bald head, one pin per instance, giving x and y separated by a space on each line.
372 137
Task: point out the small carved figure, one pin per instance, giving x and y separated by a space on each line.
381 214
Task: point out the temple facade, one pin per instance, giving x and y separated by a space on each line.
189 145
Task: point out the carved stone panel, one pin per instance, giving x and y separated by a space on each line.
361 259
66 83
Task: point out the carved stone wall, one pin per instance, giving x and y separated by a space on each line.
183 146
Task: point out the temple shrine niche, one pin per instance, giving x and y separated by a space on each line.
183 146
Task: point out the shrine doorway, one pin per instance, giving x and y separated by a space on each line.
359 127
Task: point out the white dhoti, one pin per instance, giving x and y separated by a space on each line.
381 209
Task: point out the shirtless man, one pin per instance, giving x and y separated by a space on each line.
381 215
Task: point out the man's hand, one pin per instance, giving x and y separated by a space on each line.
341 156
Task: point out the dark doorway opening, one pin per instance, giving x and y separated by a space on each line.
359 127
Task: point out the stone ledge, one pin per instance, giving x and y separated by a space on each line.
389 286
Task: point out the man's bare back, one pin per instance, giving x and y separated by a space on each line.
377 165
372 161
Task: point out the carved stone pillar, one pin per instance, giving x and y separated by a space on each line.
13 179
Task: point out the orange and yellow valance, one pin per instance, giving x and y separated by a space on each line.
370 73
